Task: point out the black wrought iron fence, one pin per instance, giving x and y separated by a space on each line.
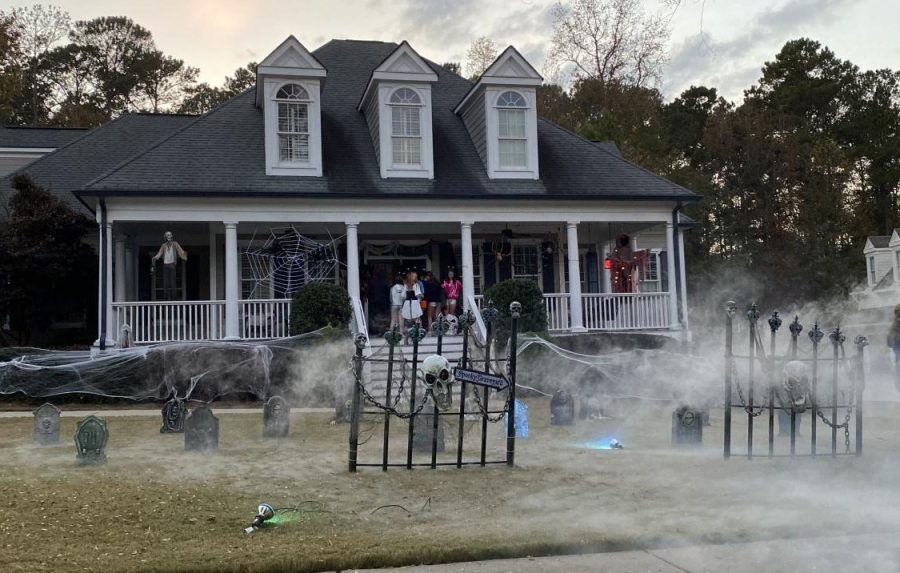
793 383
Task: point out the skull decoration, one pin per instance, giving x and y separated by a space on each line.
796 384
438 377
453 330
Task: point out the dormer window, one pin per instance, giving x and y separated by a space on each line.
288 91
293 123
406 127
397 107
511 130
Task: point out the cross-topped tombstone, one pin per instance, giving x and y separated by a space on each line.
201 431
174 413
46 425
276 418
91 436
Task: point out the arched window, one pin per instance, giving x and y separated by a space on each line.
406 127
511 131
293 123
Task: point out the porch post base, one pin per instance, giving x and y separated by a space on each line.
578 330
230 338
109 343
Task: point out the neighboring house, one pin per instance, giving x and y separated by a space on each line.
403 164
19 146
881 291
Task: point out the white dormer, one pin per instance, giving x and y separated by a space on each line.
881 257
288 90
397 106
500 113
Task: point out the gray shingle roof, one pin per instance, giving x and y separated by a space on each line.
95 152
39 137
880 241
223 152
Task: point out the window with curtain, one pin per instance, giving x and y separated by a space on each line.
293 123
406 127
511 132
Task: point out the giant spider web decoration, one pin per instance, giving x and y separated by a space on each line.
287 261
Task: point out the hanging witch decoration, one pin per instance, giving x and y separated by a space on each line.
622 264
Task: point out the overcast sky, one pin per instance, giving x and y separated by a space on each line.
720 43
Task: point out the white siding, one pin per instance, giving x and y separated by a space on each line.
371 113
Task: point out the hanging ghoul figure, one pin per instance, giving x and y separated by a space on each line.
623 265
170 251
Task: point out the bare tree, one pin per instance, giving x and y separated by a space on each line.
40 28
608 40
481 54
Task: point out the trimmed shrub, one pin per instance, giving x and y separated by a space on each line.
527 293
318 305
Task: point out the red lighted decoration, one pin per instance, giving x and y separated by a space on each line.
607 263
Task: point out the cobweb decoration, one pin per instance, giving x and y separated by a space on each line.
287 261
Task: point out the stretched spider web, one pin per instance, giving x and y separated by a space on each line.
287 261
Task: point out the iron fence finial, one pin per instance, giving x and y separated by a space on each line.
795 327
753 312
774 321
816 333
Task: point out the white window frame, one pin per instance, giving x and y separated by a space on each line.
242 265
405 107
425 169
519 110
492 96
872 277
274 164
537 277
288 102
652 284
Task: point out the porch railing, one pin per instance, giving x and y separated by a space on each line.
171 321
265 318
557 307
626 311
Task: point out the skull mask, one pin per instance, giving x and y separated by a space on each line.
796 385
438 377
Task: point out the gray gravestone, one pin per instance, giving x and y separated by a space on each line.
687 426
174 413
562 409
46 425
276 418
201 431
423 429
91 436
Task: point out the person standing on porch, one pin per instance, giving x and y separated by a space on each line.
433 298
412 309
170 251
398 294
452 287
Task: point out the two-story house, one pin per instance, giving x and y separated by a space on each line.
394 159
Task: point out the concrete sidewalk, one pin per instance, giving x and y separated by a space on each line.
873 553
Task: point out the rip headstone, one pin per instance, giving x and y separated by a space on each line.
687 426
46 425
174 413
276 418
91 436
423 429
201 431
562 409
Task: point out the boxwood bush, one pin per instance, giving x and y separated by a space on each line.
527 293
318 305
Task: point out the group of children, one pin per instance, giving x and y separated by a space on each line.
412 298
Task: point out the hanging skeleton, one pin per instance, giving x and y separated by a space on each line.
796 385
501 249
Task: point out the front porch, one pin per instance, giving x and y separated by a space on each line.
220 293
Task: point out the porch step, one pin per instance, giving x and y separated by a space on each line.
375 375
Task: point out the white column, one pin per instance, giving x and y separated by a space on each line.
100 238
111 334
576 323
670 265
120 274
684 306
232 283
129 272
353 260
468 266
213 265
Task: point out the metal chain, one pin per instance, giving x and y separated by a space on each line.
483 409
390 409
737 384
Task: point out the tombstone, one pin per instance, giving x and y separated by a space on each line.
201 431
46 425
91 436
521 421
687 426
423 429
174 413
562 409
276 418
